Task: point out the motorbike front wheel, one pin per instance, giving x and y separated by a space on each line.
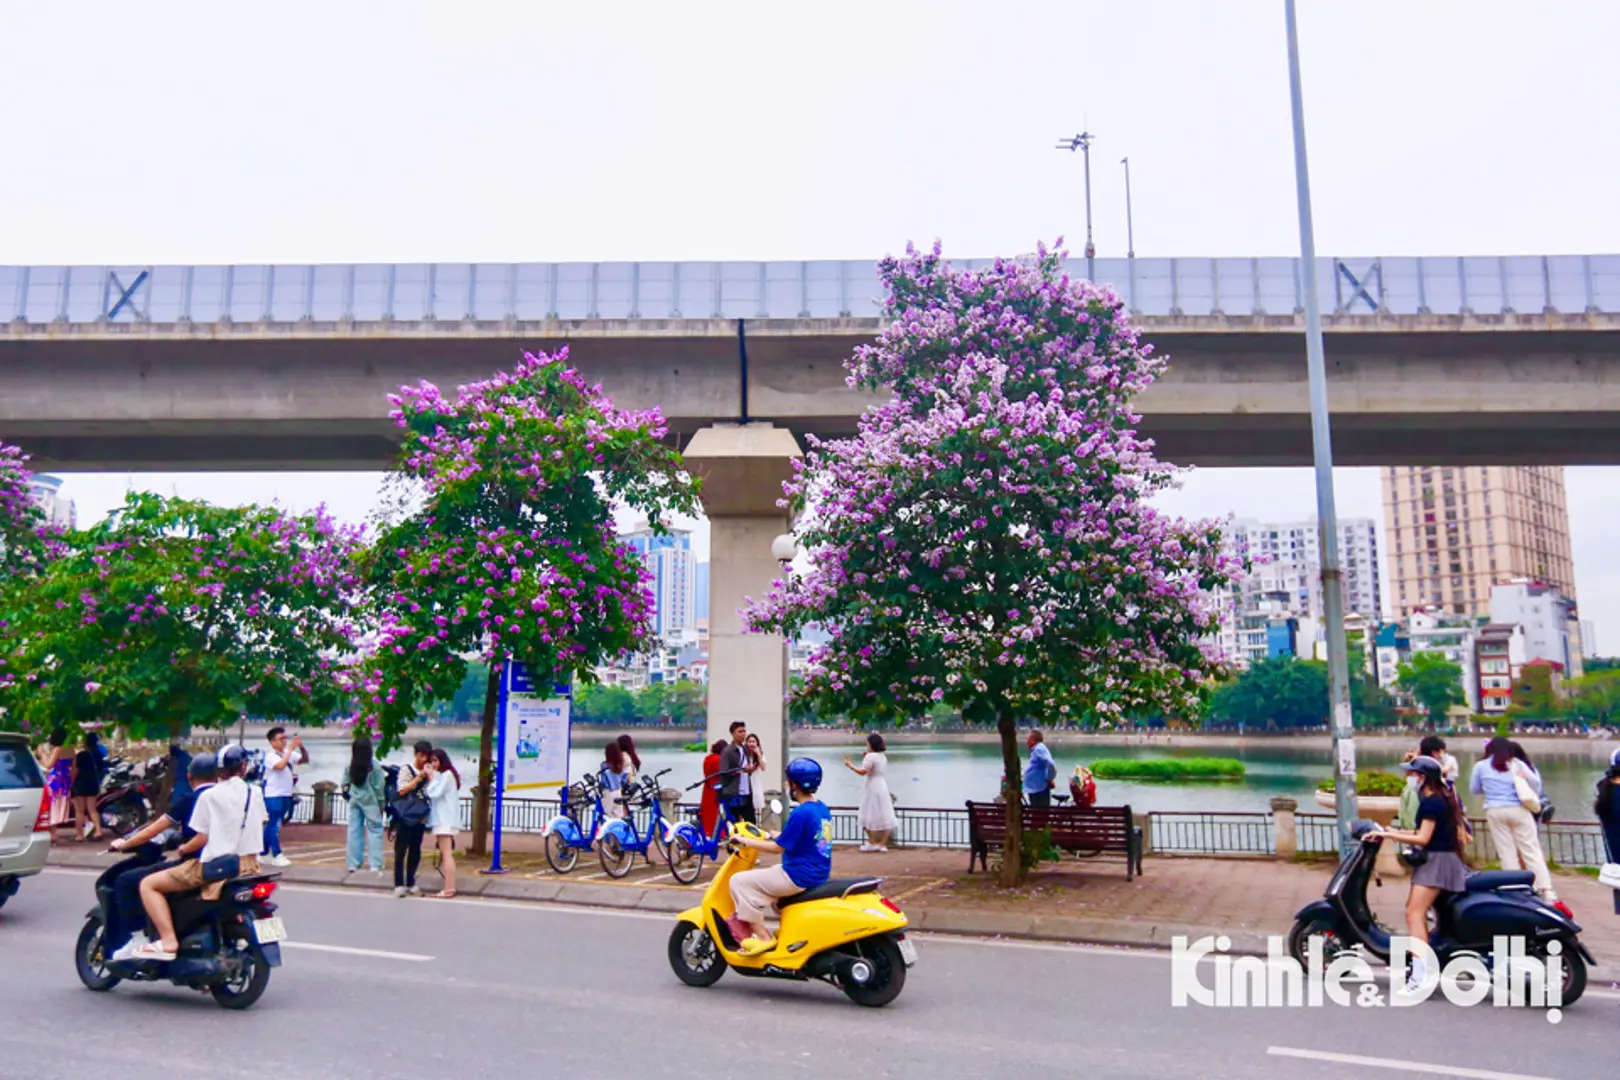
560 855
1299 939
684 862
694 957
887 973
90 958
249 975
616 860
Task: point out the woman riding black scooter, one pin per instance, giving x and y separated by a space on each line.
1439 833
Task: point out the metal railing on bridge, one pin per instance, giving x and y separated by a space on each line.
496 293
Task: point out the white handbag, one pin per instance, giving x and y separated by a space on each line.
1527 794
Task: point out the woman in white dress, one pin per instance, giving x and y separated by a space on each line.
755 767
877 805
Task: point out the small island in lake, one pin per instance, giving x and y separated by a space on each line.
1168 769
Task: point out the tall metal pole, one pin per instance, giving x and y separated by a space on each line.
1344 743
1082 142
1130 238
1130 232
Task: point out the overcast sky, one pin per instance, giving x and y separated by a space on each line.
538 131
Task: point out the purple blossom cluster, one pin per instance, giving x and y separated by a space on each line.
986 539
512 552
27 540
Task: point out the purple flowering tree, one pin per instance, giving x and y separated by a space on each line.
173 613
509 550
986 539
26 539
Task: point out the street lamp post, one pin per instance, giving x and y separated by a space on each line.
784 549
1082 143
1344 743
1130 235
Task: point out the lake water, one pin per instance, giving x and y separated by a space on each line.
945 774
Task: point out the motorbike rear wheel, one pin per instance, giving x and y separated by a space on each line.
241 989
888 976
615 858
684 862
694 957
1574 968
1304 930
560 855
90 957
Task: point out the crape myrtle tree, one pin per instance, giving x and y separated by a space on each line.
27 543
172 613
509 551
986 539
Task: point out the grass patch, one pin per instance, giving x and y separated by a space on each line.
695 747
1191 768
1373 782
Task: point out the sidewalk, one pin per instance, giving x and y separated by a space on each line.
1077 900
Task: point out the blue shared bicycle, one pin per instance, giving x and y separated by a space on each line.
621 840
688 847
566 835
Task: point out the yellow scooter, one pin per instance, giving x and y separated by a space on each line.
844 932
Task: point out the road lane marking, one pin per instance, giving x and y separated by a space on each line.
1398 1064
347 950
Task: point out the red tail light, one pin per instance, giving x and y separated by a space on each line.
42 821
890 904
1563 907
263 889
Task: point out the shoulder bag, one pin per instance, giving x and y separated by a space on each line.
1526 793
225 867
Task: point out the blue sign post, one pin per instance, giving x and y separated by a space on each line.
532 749
495 866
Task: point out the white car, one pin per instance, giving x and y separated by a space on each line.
25 815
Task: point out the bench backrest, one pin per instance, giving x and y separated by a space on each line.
1099 825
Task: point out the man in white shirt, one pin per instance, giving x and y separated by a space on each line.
229 819
279 778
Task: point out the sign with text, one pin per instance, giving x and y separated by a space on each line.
534 733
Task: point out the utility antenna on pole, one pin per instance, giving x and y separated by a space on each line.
1082 143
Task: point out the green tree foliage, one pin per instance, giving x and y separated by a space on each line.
1434 682
172 613
1274 694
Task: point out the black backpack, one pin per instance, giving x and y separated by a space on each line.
410 809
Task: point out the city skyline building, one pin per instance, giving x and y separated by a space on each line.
1453 533
47 491
674 571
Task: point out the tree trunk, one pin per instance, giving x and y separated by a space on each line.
1012 854
486 766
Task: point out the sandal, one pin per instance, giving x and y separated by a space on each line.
443 895
152 950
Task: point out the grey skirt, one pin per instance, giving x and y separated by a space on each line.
1443 870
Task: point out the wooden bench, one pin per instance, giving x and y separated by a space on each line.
1087 831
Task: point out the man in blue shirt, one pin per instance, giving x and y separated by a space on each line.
1041 773
806 846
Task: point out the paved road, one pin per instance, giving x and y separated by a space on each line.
475 988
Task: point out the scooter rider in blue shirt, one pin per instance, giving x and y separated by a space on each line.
806 846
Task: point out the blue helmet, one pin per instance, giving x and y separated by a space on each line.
203 765
804 773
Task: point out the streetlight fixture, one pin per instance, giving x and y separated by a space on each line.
1082 143
1344 742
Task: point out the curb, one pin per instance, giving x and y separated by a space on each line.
954 922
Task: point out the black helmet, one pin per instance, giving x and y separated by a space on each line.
202 766
231 759
805 774
1425 765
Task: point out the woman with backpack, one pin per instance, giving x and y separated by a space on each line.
409 808
363 785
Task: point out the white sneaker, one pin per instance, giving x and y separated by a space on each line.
868 847
279 860
127 951
399 891
414 891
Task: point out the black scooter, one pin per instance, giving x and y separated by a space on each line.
1498 903
227 946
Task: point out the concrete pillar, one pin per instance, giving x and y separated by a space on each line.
743 467
1284 829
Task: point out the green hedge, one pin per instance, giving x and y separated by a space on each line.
1371 783
1190 768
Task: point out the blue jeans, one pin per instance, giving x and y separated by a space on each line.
365 831
277 808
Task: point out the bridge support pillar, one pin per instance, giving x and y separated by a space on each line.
743 467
